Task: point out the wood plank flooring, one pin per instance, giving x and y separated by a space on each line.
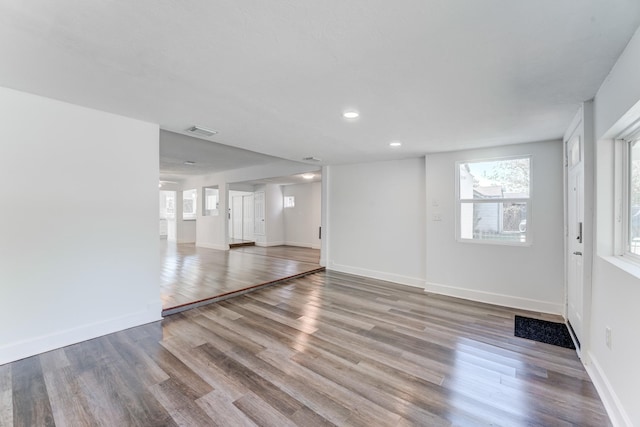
326 349
191 274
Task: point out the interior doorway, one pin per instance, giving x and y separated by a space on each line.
241 217
168 215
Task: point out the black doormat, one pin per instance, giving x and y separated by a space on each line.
543 331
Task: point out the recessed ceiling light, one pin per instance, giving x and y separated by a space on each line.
351 114
189 163
395 144
308 175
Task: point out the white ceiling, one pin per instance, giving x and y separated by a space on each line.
274 76
176 149
288 180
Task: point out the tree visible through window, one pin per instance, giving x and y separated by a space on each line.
494 200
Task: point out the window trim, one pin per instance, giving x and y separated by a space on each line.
527 201
622 192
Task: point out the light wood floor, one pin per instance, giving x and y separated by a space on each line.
326 349
191 274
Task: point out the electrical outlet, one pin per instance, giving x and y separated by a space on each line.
607 336
436 217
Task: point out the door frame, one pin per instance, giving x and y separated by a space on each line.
582 125
575 230
232 220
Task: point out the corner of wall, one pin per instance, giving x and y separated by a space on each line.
380 275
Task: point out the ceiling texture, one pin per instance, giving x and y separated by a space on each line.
177 151
274 77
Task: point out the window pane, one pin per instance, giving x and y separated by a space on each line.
494 221
634 198
289 201
189 204
167 204
495 179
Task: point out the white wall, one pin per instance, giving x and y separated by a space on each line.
301 223
186 229
79 218
619 91
375 220
530 277
616 291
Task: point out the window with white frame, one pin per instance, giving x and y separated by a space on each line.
167 204
189 198
289 201
628 160
210 201
494 200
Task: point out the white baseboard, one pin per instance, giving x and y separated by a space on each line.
612 404
381 275
302 245
498 299
32 346
267 244
213 246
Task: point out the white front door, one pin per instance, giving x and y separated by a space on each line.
575 229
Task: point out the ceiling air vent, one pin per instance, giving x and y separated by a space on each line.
200 131
311 159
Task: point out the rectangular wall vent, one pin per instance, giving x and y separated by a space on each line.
200 131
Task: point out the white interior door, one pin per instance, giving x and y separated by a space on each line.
259 209
575 228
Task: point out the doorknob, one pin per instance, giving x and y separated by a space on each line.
577 253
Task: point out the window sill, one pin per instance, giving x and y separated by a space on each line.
624 264
494 242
